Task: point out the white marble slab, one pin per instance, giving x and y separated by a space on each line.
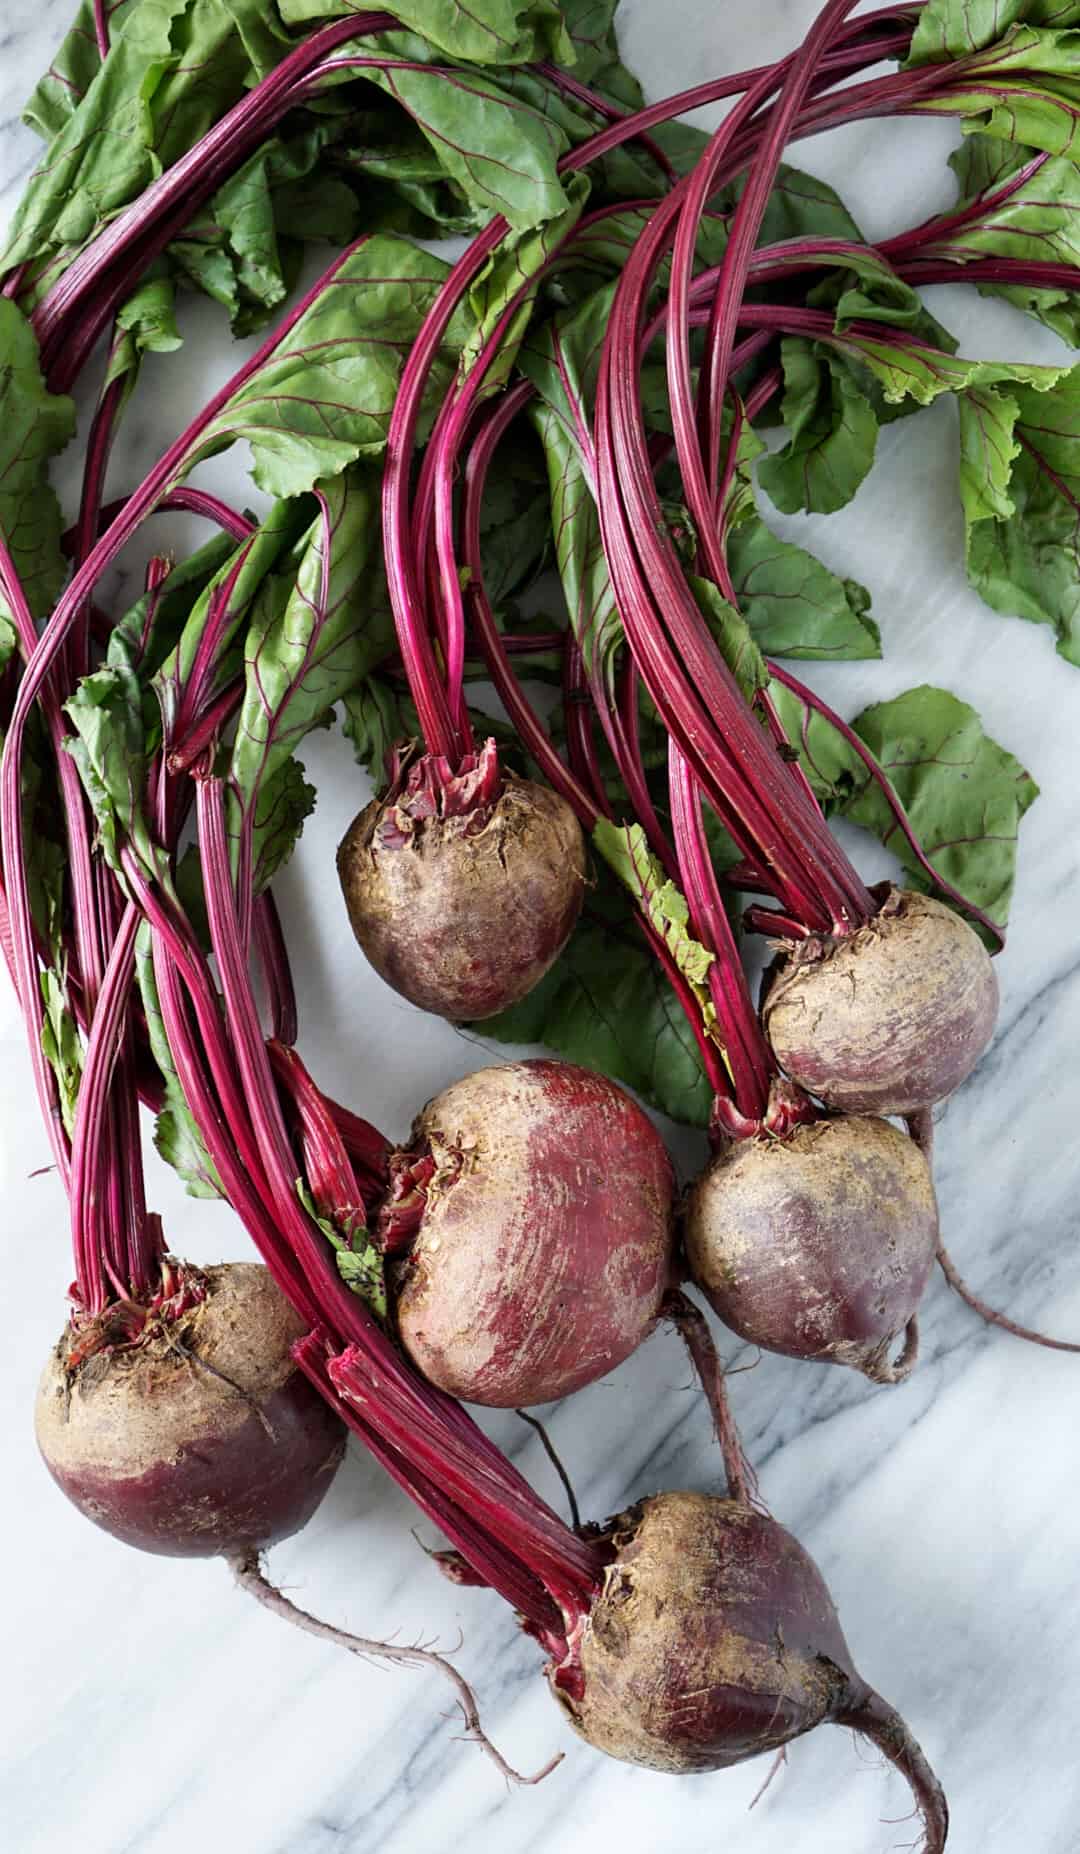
149 1708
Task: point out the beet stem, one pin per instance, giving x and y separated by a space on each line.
251 1577
882 1724
693 1329
550 1451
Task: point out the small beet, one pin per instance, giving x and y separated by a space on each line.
543 1245
203 1438
462 899
891 1018
818 1245
714 1639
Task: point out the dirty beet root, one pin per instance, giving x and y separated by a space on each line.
463 890
714 1639
201 1438
890 1019
818 1245
536 1200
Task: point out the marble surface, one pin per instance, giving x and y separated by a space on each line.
149 1707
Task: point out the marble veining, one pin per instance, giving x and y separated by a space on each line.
148 1708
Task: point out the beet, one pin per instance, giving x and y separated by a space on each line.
204 1437
463 901
818 1245
543 1244
890 1019
714 1639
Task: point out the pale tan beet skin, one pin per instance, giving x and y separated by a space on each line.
891 1019
158 1450
464 921
818 1245
545 1245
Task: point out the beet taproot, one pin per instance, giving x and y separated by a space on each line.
713 1639
889 1019
204 1437
463 902
541 1232
818 1245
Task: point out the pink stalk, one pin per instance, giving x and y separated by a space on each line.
884 786
276 971
746 1053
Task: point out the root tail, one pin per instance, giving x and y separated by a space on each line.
251 1577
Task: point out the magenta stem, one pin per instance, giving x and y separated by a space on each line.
748 1058
891 797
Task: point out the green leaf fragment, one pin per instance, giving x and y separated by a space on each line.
359 1263
61 1043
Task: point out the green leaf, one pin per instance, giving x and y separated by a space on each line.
174 67
606 1003
485 31
914 370
145 324
502 155
833 433
515 522
1039 221
1025 89
34 425
732 634
359 1263
176 1135
953 28
283 804
1023 532
963 793
234 248
519 258
376 715
59 92
335 626
579 551
799 206
61 1044
110 752
324 395
791 602
625 849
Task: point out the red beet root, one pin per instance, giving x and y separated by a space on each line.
818 1245
203 1438
543 1228
891 1019
713 1639
463 892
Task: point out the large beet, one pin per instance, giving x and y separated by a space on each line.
713 1639
818 1245
464 910
203 1439
890 1019
543 1249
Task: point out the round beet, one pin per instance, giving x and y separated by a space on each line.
713 1639
203 1438
463 913
890 1019
818 1245
544 1239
